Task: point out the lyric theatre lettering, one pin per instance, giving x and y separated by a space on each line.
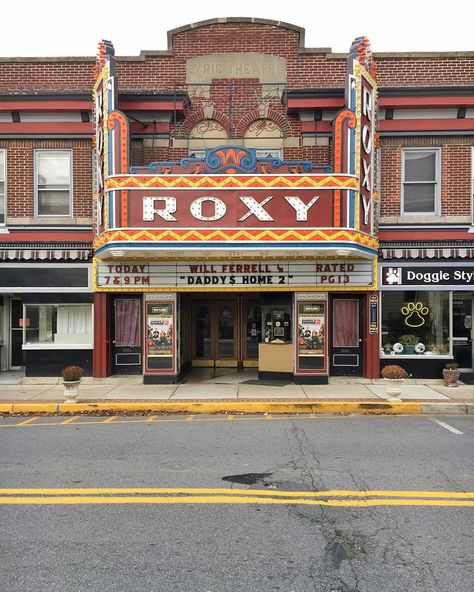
233 274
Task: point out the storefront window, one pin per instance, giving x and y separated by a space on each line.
415 323
61 324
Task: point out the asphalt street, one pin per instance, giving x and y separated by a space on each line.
221 504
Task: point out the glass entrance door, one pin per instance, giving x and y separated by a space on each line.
462 329
214 334
346 337
251 332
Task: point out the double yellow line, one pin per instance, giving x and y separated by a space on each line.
203 495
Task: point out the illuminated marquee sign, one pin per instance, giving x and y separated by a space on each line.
232 274
231 208
230 188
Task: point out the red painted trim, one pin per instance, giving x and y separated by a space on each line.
414 125
46 105
49 127
316 126
50 236
425 102
420 235
150 105
316 103
386 102
101 355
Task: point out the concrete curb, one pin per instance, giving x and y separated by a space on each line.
241 407
210 407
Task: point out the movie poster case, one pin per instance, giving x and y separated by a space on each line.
311 327
160 342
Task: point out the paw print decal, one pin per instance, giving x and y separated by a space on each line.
414 313
394 275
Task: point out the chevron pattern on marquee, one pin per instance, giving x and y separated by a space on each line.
286 235
231 181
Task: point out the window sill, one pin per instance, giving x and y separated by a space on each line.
33 346
416 356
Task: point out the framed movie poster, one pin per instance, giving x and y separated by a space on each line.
160 336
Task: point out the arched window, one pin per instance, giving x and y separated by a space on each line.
208 133
265 136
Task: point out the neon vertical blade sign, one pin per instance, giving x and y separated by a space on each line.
360 139
104 102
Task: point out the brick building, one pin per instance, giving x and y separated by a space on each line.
228 202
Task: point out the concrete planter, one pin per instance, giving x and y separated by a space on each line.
71 390
394 388
451 377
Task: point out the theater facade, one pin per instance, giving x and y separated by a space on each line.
251 240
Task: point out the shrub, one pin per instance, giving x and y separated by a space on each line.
452 366
72 373
408 339
394 372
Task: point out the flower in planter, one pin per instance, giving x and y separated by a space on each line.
72 373
394 372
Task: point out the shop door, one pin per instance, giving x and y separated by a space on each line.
462 330
214 334
16 334
251 332
126 340
346 337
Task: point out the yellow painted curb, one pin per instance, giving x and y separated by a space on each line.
34 408
210 407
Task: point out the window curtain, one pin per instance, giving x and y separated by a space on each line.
345 323
127 323
75 320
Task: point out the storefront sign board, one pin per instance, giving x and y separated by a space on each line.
194 276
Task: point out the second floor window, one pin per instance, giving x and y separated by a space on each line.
421 185
53 183
3 172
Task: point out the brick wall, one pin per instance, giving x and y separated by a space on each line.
455 172
20 175
309 69
315 69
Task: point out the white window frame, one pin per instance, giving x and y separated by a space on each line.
70 202
4 179
57 345
437 182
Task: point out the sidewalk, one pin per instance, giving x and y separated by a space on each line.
235 392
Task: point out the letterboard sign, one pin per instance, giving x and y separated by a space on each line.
211 275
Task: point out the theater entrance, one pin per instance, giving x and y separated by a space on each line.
225 332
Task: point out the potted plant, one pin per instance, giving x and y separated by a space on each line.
387 348
394 375
408 342
451 374
71 376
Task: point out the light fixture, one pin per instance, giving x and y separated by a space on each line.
343 252
118 253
